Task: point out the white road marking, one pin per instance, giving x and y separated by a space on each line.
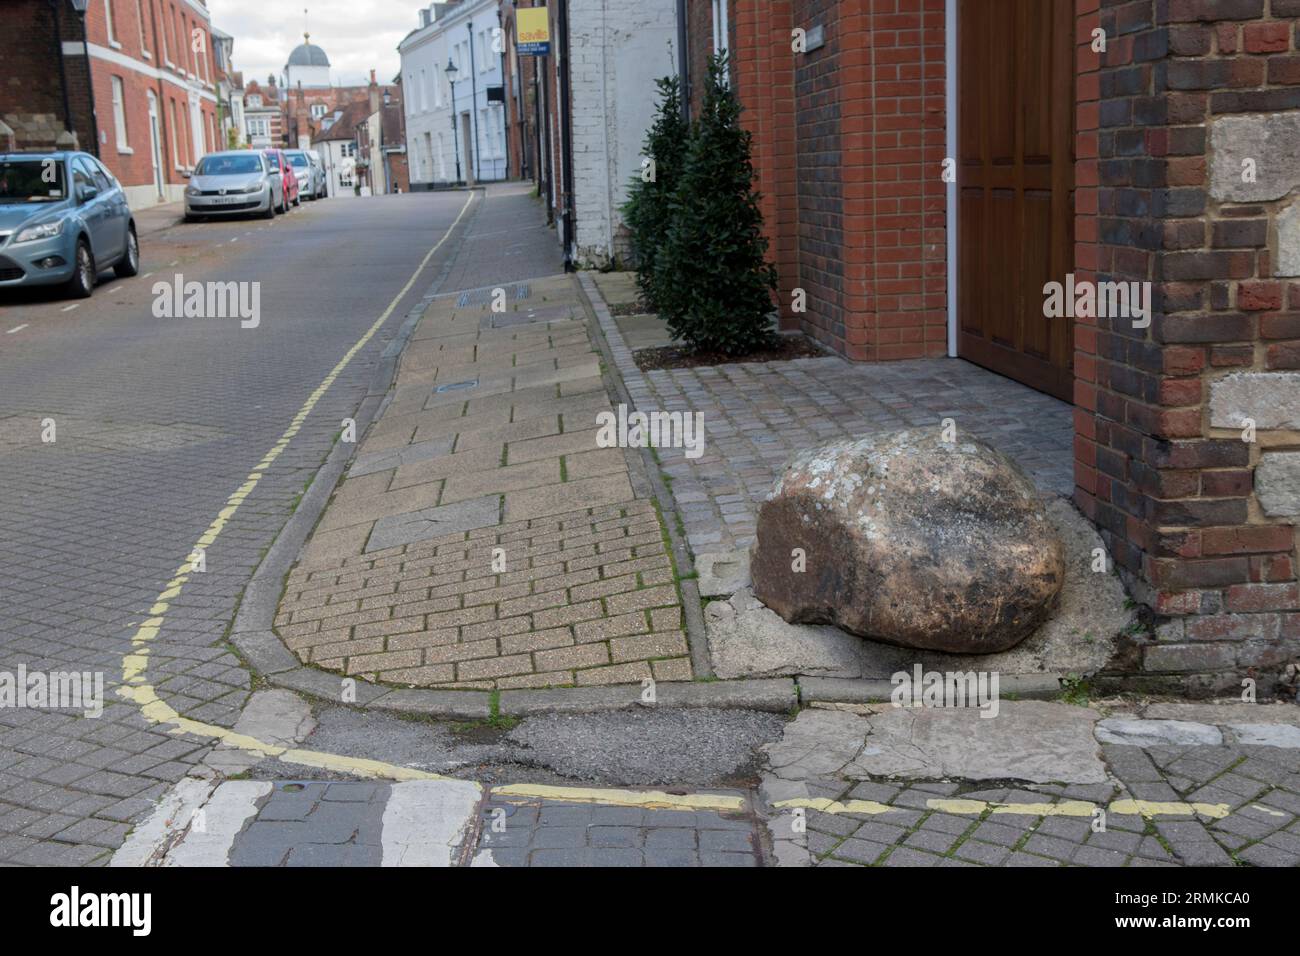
174 262
174 812
146 275
232 805
17 328
234 238
425 821
116 288
69 308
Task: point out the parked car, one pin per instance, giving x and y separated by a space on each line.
279 160
309 181
318 166
63 219
233 183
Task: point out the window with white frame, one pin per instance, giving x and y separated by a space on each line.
108 19
254 102
258 126
144 40
317 110
720 26
119 113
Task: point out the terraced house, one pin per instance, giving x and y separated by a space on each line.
134 81
928 167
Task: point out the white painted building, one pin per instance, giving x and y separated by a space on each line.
617 49
472 146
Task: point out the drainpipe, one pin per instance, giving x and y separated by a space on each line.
473 106
63 68
683 60
566 141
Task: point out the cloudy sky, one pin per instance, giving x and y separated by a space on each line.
358 35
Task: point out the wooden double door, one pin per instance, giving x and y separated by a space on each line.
1015 214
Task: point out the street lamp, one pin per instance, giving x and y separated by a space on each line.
451 72
80 7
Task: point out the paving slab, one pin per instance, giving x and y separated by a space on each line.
413 526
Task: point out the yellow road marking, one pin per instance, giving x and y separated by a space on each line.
135 664
649 799
1066 808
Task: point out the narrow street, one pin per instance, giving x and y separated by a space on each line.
157 422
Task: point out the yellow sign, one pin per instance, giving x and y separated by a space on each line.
533 29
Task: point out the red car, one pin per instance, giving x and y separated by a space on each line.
279 161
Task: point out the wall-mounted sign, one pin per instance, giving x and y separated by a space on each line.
533 31
816 38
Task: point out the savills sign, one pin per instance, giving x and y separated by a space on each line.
533 30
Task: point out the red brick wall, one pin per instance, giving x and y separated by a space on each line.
849 147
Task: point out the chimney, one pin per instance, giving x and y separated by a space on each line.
424 17
374 93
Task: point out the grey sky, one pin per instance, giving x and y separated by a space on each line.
358 35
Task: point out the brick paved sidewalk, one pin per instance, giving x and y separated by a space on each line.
481 538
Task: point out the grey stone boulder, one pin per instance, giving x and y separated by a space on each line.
909 540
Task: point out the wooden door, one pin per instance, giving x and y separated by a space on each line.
1015 215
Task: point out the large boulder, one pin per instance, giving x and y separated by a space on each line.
909 540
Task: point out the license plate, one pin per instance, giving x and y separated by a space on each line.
227 200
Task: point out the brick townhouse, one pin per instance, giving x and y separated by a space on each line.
1170 157
150 108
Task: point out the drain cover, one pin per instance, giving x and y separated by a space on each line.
455 386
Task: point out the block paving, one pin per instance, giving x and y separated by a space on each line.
482 538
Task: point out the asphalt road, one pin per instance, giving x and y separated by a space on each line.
157 421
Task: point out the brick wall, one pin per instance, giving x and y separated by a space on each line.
1199 520
849 144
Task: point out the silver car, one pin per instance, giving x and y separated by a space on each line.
310 174
234 183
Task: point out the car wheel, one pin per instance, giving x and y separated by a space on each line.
269 212
129 265
82 283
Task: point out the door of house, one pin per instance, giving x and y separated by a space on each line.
1015 214
155 145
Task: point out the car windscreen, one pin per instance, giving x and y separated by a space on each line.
228 165
298 159
32 180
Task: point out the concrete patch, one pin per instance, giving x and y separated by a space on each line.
1157 733
817 743
748 639
406 455
722 573
426 821
429 523
1029 740
278 717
